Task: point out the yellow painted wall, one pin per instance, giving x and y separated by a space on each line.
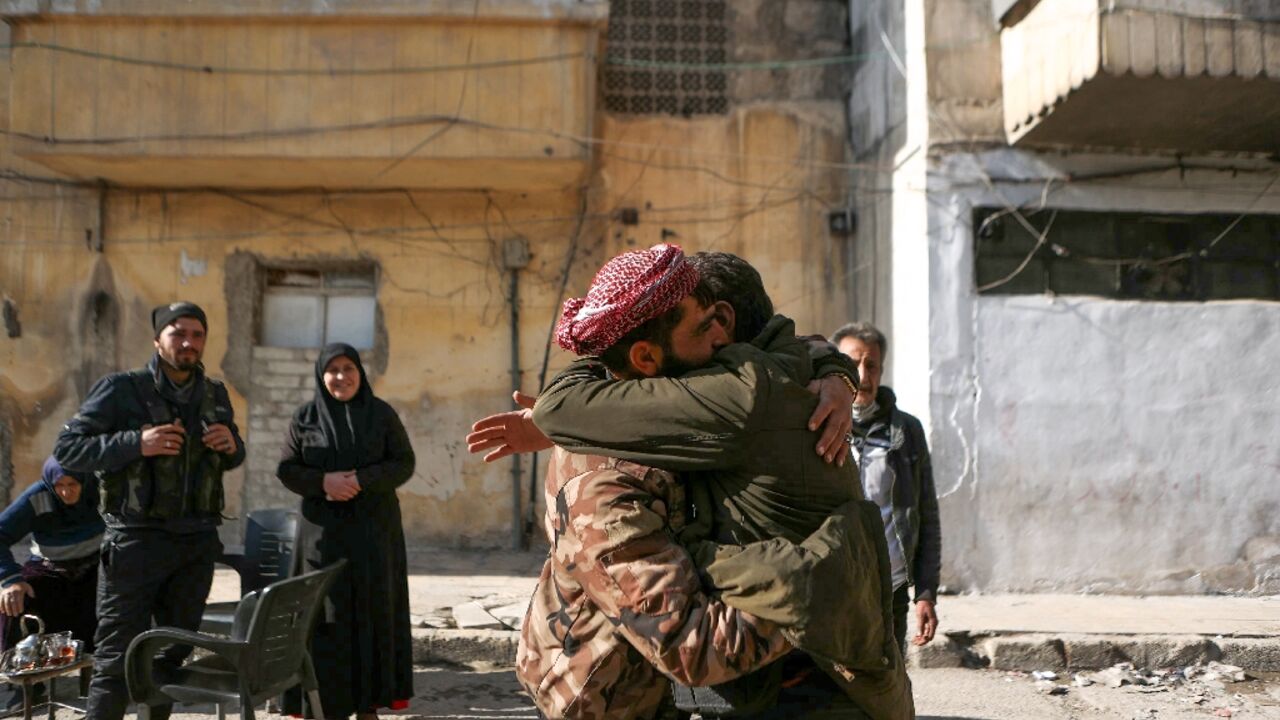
360 102
442 296
42 263
758 182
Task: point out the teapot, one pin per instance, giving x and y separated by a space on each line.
28 653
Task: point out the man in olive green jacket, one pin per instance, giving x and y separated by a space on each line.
739 431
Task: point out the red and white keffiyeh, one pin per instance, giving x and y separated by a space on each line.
629 290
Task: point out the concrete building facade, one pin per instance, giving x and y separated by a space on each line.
425 178
1068 227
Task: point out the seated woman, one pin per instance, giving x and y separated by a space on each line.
59 583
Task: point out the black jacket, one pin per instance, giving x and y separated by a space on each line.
915 503
105 435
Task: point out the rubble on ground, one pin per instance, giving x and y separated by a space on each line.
1203 684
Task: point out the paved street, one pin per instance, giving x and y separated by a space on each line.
940 695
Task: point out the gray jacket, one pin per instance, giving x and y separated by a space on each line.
915 503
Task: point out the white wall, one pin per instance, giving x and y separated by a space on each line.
1091 444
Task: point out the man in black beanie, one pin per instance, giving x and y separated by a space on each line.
159 439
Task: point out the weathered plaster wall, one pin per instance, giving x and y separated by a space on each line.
878 134
1058 426
963 73
1152 426
304 103
441 298
765 30
47 272
1099 445
758 183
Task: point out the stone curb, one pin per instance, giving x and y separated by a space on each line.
1033 651
1020 651
465 647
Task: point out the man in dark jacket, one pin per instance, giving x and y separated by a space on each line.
893 458
159 439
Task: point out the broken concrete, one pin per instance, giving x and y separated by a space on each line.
1251 653
1086 652
1025 652
943 652
1168 651
473 616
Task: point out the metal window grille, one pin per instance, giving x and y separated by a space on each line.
1139 256
658 49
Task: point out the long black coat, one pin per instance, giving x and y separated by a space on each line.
362 646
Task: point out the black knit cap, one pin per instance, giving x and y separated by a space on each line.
164 315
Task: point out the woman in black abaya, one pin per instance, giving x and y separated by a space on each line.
346 453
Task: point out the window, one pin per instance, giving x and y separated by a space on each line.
310 308
655 49
1140 256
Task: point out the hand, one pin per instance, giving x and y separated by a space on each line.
926 622
341 486
834 415
219 439
508 433
162 439
13 598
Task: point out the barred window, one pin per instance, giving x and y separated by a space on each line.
1139 256
656 49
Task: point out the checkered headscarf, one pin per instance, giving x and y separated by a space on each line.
629 290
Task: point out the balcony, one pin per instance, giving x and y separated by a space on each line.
1136 75
439 94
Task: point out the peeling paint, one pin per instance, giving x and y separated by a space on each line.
189 267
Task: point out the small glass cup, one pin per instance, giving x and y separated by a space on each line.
58 649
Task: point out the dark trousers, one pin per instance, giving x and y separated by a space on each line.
809 693
146 575
65 595
901 603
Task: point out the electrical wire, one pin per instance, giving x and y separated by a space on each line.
208 69
498 64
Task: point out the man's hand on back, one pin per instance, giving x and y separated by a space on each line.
835 398
508 433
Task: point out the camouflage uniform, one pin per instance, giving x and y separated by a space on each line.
619 603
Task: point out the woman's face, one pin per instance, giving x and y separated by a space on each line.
68 489
342 378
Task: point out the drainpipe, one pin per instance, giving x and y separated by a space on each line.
515 255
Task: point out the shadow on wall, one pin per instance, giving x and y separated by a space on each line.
99 329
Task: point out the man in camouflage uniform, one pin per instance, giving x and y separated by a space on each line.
159 439
813 557
619 606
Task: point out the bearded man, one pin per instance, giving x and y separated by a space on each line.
159 439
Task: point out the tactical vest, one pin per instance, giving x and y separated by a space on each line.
163 487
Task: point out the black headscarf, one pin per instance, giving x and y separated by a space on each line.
346 425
